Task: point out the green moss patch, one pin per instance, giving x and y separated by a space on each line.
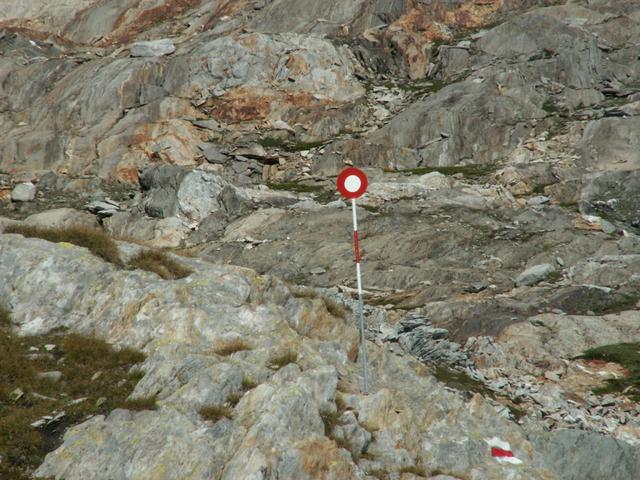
95 379
628 356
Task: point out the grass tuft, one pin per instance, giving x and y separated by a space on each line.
215 413
336 309
5 317
248 384
96 241
308 293
234 398
231 346
137 404
415 470
330 420
283 359
159 263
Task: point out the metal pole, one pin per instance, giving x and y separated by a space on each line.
363 344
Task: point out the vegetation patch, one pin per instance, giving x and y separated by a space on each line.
319 192
271 142
95 379
215 413
282 359
96 241
5 317
415 470
331 421
303 292
159 263
475 170
337 309
296 187
248 384
628 356
231 346
460 381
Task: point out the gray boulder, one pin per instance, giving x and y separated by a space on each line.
190 195
535 274
23 192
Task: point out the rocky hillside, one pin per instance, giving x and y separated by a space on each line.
167 186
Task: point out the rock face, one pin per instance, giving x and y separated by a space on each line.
215 305
499 232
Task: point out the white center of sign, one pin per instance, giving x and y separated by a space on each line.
352 183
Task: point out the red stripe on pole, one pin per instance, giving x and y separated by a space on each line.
499 452
356 245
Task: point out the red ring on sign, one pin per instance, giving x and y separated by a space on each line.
342 182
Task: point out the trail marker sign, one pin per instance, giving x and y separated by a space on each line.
352 183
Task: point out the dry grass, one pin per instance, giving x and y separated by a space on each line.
318 456
303 292
96 241
344 387
330 420
354 349
215 413
336 309
5 316
233 399
279 360
159 263
137 404
229 347
78 358
248 384
414 469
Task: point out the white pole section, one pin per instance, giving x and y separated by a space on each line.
363 344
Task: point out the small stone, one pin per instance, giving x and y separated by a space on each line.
53 376
39 423
317 271
153 48
553 376
49 347
95 376
539 200
101 401
17 394
23 192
